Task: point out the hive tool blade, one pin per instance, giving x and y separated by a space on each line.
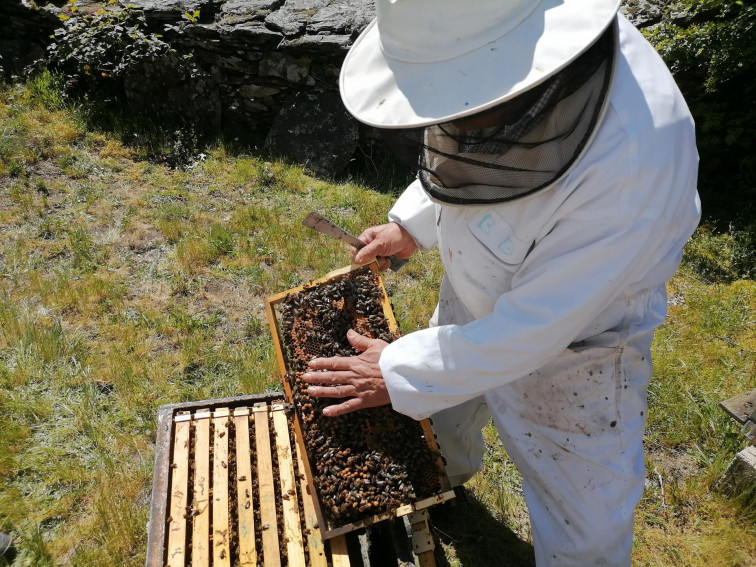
318 222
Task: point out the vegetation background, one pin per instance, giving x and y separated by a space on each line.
135 258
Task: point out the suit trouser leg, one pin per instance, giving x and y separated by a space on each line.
575 431
460 438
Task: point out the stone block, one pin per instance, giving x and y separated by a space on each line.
254 8
740 476
342 17
285 67
252 34
292 18
257 91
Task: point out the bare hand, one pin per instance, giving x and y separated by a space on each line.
384 240
358 377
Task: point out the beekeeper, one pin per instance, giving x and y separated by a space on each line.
556 173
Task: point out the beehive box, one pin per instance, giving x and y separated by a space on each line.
369 465
229 491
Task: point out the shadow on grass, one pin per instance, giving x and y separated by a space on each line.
478 538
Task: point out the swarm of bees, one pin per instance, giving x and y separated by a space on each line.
366 462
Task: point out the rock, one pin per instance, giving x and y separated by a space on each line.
163 11
251 92
239 11
285 67
740 476
342 18
644 13
292 18
250 35
315 130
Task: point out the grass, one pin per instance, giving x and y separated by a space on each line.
125 284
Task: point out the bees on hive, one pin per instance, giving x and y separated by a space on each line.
366 462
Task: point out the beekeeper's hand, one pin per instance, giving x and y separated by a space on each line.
357 378
382 241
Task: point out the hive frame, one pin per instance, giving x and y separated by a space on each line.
328 530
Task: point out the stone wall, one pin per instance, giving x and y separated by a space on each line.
259 55
263 69
259 67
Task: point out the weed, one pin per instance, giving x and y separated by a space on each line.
50 228
195 253
221 239
722 256
104 44
182 284
87 192
83 248
47 87
255 328
41 187
21 195
173 229
186 322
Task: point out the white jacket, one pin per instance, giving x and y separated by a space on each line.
581 263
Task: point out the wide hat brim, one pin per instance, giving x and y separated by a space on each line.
387 92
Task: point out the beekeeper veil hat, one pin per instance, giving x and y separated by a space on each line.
487 100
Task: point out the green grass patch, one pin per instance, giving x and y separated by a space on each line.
126 284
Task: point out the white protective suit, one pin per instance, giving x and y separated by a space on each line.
546 316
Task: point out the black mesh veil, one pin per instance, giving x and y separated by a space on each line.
518 147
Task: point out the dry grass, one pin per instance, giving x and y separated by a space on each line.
125 285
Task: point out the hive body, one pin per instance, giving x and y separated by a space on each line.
229 489
267 480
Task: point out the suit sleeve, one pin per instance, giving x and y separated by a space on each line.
416 213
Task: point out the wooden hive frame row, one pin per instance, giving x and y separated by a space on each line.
233 494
